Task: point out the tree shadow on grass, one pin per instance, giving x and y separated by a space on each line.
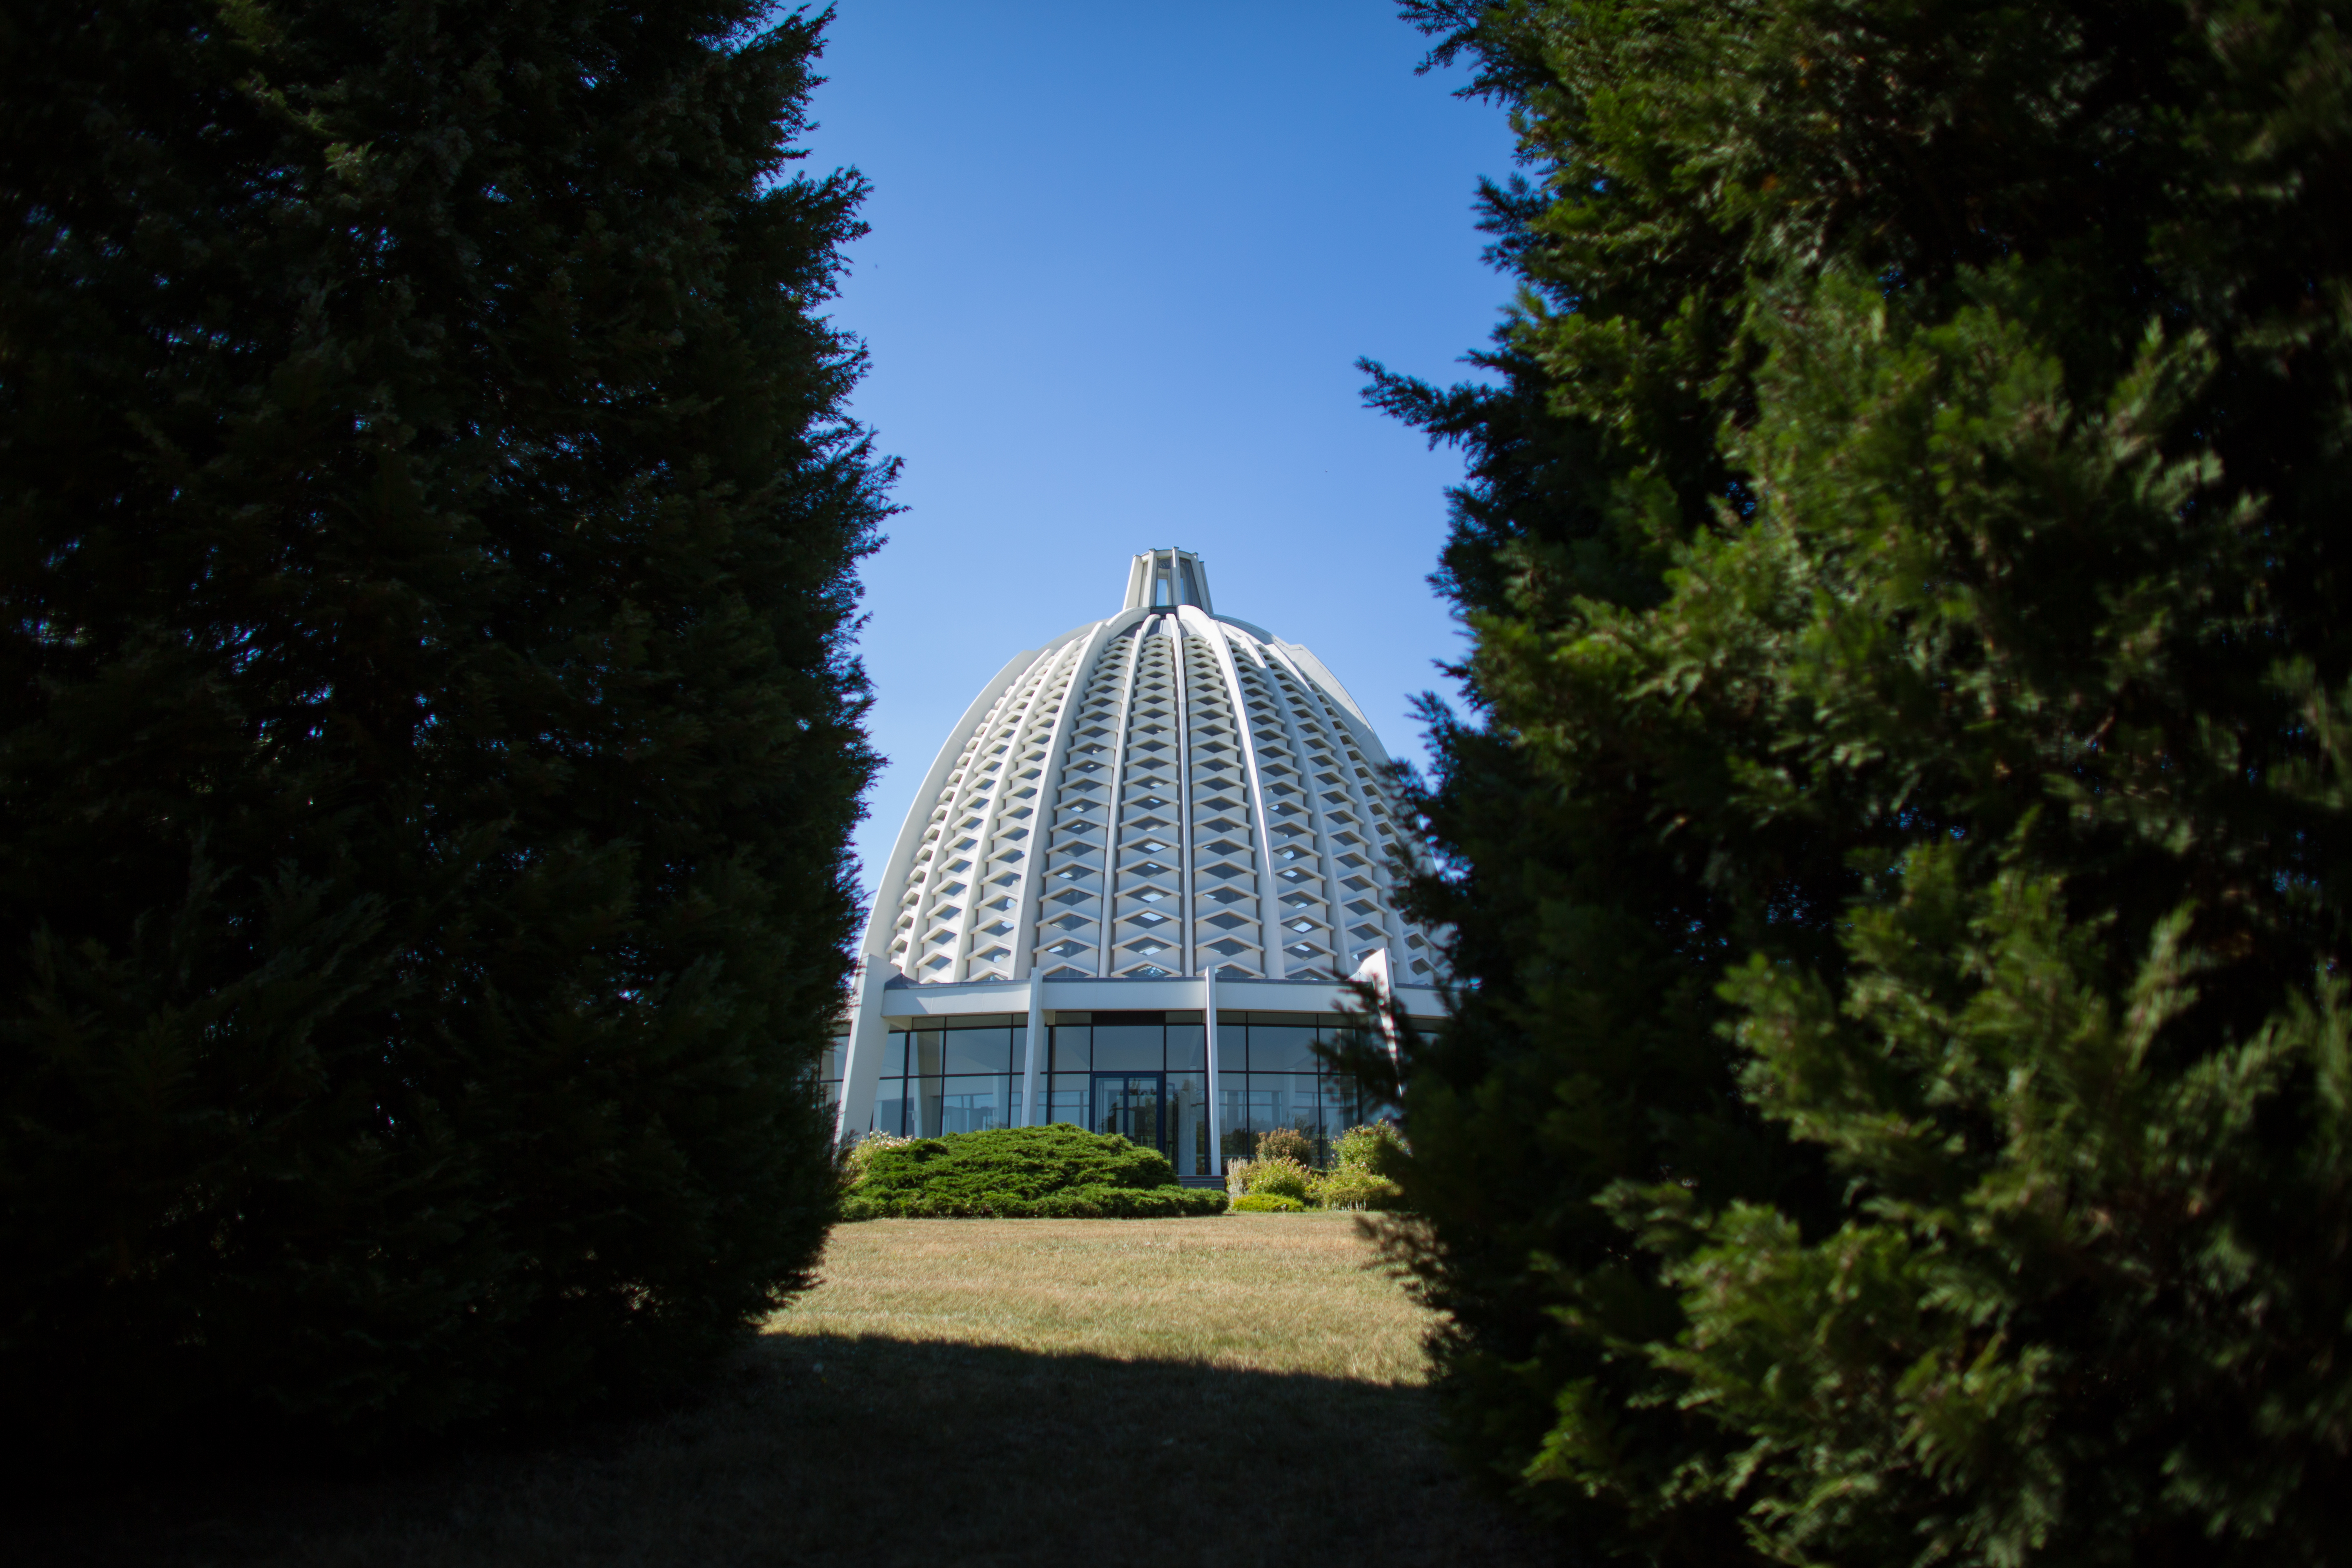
819 1448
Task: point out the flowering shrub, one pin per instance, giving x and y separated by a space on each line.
1237 1177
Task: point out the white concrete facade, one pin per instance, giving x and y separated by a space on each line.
1166 809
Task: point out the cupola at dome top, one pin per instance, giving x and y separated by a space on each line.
1165 579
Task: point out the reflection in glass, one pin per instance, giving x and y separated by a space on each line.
976 1104
1188 1048
1128 1105
890 1106
1065 1099
1281 1048
1133 1046
928 1053
1071 1051
1188 1124
923 1120
979 1050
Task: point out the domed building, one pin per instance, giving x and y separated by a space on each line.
1129 891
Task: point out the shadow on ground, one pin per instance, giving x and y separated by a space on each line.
880 1451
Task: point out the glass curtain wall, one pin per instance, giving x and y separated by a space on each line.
1132 1054
961 1075
1269 1077
951 1075
828 1072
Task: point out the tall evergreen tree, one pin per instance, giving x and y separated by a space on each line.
429 729
1896 1106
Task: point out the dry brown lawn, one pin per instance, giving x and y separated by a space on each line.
1240 1391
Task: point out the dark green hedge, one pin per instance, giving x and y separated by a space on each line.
1025 1173
429 728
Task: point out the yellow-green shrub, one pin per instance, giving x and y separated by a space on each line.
1281 1177
1354 1187
1267 1202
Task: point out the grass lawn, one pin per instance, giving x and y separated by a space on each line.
1232 1392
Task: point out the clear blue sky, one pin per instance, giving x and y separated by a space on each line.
1123 260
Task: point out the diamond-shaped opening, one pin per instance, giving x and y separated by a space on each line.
1149 972
1067 973
1148 947
1226 922
1228 947
1303 949
1066 949
1228 847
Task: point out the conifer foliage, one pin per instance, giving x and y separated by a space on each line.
428 725
1898 1101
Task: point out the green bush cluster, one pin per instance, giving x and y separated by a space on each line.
1287 1183
1281 1177
1059 1171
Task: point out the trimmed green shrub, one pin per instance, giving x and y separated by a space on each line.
1281 1176
1023 1172
860 1155
1267 1202
1071 1202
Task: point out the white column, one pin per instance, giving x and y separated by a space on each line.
862 1072
1217 1100
1035 1055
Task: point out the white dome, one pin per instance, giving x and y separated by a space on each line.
1165 792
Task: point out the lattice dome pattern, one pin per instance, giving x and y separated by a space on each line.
1165 792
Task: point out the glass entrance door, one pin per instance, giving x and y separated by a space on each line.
1132 1105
